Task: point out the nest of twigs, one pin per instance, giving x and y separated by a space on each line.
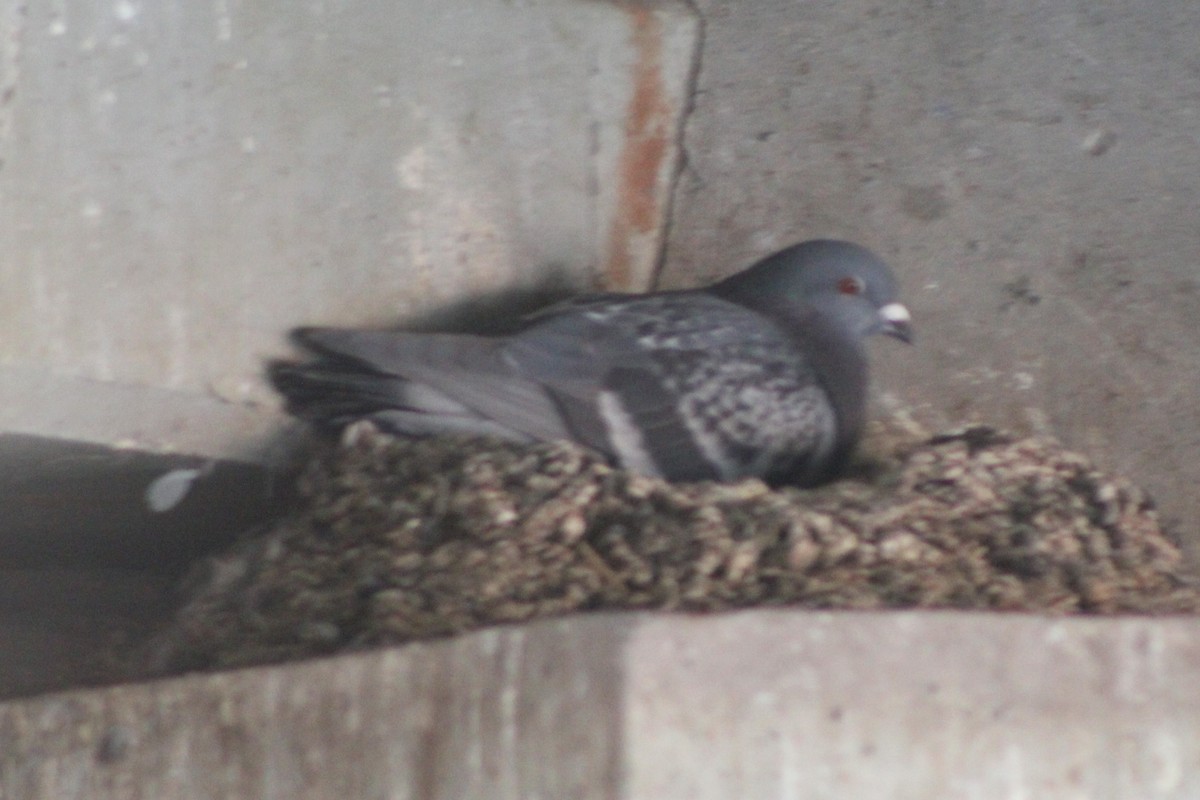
399 539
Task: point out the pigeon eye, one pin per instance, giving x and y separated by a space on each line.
850 285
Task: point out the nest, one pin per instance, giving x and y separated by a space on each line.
401 539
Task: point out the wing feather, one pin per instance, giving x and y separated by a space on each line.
470 370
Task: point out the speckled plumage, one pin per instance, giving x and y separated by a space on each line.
750 400
763 374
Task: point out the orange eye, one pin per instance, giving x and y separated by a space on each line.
850 285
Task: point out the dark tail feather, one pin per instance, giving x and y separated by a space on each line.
330 394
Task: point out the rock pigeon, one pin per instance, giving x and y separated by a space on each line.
763 374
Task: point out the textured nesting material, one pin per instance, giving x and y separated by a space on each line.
399 539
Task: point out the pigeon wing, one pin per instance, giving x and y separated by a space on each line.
605 364
471 371
695 388
609 393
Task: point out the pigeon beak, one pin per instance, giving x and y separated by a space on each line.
894 320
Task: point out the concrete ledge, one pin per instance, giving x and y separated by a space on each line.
74 411
751 705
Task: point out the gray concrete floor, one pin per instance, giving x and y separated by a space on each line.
1032 170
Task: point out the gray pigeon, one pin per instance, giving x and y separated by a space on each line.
762 374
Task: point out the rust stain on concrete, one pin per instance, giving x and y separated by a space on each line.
647 142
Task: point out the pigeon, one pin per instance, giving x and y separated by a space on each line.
762 374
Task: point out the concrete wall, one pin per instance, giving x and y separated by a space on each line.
1031 168
181 182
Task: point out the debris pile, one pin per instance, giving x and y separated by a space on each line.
401 539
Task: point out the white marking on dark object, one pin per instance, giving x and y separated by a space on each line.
169 489
626 437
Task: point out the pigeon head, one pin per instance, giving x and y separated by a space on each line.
847 286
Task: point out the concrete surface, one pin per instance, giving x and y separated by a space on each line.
182 182
1031 168
768 704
